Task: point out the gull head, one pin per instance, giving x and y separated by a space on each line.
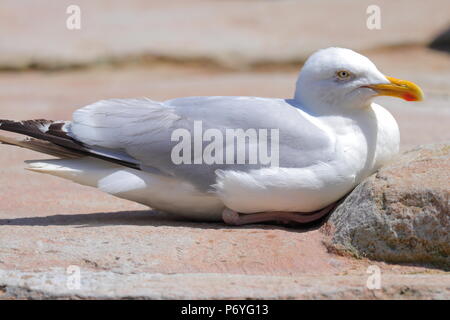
335 80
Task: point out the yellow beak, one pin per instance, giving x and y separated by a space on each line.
399 88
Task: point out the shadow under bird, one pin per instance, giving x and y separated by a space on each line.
330 137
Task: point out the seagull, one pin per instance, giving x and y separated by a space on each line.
323 142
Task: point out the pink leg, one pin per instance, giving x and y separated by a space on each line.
234 218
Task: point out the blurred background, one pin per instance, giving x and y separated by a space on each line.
167 49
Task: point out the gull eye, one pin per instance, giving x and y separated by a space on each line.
343 74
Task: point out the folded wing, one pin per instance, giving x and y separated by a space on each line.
137 133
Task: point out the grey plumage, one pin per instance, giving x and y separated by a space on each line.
142 129
137 132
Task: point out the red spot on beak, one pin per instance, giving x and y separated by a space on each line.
409 97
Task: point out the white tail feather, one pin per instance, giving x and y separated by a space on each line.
87 171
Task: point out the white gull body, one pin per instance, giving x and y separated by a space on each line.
332 136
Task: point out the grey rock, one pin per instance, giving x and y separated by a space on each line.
442 41
401 213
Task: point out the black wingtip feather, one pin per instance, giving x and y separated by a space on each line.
52 131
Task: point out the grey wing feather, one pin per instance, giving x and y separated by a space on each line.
142 129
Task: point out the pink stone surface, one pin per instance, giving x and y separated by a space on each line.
249 32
